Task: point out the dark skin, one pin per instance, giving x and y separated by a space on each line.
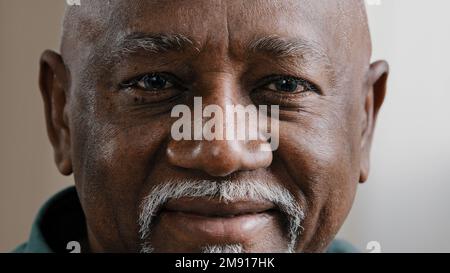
117 143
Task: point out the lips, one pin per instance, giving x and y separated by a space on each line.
208 207
212 221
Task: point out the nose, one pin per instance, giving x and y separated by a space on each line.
219 157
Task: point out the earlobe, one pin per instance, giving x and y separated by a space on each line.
376 85
53 85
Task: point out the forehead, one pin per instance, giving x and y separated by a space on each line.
231 21
207 15
337 29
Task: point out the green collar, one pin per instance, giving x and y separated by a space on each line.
59 221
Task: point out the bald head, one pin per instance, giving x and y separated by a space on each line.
342 23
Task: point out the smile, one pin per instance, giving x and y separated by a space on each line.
217 221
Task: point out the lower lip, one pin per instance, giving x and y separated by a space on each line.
221 229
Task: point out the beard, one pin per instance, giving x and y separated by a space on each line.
225 191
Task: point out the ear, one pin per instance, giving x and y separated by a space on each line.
54 89
376 91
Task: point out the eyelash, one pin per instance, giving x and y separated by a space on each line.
309 86
134 82
173 80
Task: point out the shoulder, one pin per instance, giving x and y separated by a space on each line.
341 246
20 249
58 221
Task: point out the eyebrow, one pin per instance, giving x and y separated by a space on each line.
151 43
303 51
288 47
273 45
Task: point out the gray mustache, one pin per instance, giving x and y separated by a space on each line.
227 191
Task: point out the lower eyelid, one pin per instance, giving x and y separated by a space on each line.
285 93
290 100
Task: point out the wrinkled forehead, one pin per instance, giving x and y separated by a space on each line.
226 23
319 19
217 18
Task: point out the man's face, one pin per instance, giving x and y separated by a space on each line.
128 73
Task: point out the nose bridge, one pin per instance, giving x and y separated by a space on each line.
218 157
217 87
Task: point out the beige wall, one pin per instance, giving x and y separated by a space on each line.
405 205
27 173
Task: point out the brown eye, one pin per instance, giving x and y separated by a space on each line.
154 82
290 85
285 85
150 82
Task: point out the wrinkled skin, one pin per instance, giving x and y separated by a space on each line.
118 145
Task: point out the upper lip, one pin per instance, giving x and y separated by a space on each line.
218 208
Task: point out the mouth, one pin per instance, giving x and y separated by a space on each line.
216 221
208 207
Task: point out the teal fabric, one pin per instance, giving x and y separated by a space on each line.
61 220
341 246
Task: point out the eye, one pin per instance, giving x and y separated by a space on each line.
289 85
151 82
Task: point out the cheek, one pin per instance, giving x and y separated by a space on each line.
111 167
322 161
